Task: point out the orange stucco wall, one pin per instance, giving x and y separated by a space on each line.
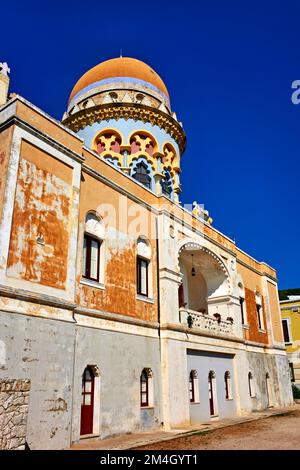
275 313
48 127
42 206
252 283
119 295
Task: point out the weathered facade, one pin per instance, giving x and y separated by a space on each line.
290 309
126 310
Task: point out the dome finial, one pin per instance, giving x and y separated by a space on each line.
121 55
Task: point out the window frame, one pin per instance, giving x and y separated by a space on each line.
139 261
242 302
142 174
228 385
287 320
192 387
87 261
144 404
259 319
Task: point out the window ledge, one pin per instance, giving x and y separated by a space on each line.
150 407
261 330
229 399
195 402
145 299
289 343
245 326
90 283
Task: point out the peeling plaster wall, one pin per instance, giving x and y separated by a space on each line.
278 369
42 206
253 333
45 351
41 350
120 358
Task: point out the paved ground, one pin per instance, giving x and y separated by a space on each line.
281 432
270 429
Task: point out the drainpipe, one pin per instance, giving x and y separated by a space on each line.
73 378
158 308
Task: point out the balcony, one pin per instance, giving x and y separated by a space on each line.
208 324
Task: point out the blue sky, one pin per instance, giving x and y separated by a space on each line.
228 66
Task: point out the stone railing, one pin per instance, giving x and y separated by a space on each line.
14 398
207 323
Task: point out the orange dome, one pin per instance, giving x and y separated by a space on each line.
120 67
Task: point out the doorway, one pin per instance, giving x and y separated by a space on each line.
87 402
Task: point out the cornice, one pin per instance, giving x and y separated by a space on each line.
15 120
41 299
104 112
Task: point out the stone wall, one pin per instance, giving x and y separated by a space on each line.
14 399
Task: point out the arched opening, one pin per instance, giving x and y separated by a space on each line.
108 141
87 402
167 184
141 173
146 388
90 401
228 385
142 142
193 387
205 282
212 394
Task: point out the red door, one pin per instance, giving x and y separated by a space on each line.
211 396
87 402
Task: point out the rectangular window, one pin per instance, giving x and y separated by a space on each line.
258 308
142 276
91 258
242 310
286 331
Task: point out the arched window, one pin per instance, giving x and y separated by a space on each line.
87 402
143 271
146 388
193 387
166 184
108 141
228 385
251 385
90 401
212 393
142 174
92 247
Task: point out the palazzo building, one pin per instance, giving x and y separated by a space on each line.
127 310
